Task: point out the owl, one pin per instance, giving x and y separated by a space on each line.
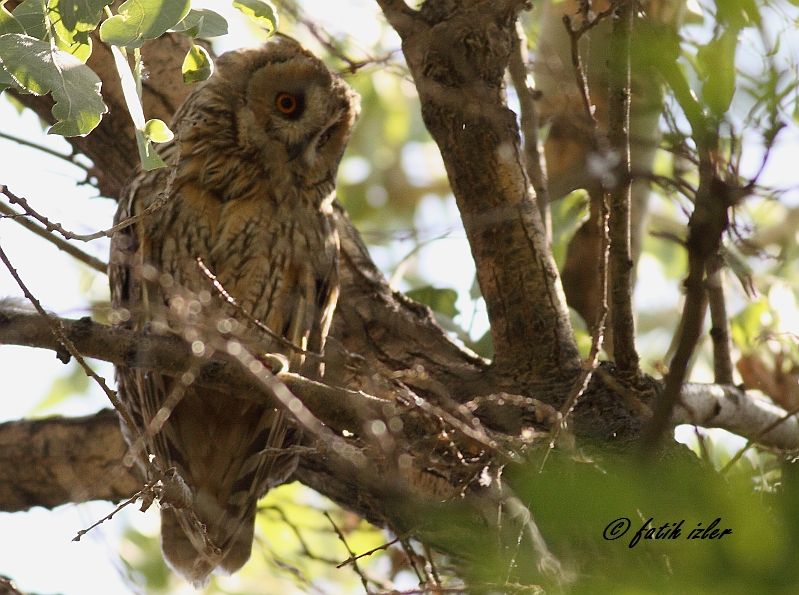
245 210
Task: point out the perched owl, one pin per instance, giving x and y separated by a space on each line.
250 183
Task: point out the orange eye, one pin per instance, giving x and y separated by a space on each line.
288 104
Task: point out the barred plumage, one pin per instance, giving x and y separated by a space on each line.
251 181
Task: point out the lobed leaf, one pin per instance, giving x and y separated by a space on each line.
140 20
40 68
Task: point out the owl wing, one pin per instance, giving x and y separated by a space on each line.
133 300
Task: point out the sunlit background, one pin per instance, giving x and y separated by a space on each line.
396 191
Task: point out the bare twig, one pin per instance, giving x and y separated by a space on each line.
413 558
720 325
57 227
330 43
88 259
575 33
597 337
367 553
71 158
355 566
147 489
535 164
58 331
260 325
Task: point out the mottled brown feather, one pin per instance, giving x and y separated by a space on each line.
249 193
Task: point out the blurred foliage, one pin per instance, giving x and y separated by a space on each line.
73 383
576 503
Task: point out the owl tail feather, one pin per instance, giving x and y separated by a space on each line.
190 553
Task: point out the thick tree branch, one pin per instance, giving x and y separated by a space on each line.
729 408
78 459
457 55
59 460
340 409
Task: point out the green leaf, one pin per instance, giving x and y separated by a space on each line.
441 300
746 326
74 384
139 20
78 43
81 15
197 65
8 24
32 15
149 158
202 23
39 68
261 11
157 131
717 64
44 20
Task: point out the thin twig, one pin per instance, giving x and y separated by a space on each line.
412 556
306 549
330 43
68 158
379 548
597 337
720 324
355 566
535 163
754 439
77 253
148 488
622 319
105 233
575 33
260 325
61 337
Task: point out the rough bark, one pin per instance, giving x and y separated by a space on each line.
457 55
51 462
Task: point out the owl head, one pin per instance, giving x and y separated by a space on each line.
276 105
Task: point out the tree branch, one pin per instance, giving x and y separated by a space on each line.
458 59
621 261
720 324
54 461
535 163
729 408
